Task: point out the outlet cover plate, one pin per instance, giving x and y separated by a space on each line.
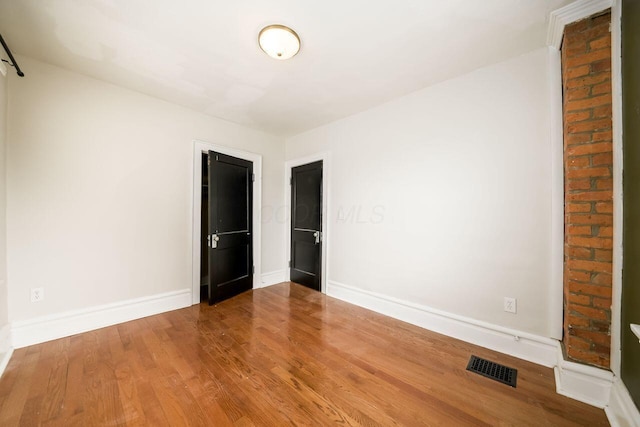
510 305
37 294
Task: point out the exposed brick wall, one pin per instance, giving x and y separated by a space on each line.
588 160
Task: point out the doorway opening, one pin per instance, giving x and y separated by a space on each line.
228 241
307 234
204 227
236 236
305 266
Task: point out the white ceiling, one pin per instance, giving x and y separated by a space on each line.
203 54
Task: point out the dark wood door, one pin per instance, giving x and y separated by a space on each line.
230 226
306 225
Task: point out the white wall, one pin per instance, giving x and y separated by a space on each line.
3 206
445 195
99 191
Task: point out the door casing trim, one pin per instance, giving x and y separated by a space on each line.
200 147
326 180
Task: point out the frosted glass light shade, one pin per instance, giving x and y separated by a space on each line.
279 42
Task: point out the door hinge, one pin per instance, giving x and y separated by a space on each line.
253 269
289 264
253 177
291 181
208 160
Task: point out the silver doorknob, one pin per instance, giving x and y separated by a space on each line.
213 241
317 236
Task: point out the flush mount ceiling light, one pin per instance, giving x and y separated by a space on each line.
279 42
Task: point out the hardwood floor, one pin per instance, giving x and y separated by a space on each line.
282 355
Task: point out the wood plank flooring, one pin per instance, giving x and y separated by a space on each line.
282 355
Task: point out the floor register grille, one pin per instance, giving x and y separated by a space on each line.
493 370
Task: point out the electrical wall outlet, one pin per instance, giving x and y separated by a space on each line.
37 294
510 305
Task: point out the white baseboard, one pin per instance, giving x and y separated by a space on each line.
519 344
6 349
582 382
38 330
273 278
622 412
587 384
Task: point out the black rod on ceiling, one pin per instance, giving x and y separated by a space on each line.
13 62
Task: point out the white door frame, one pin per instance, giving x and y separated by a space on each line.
200 147
326 171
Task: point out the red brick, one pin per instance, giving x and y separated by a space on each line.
577 276
589 357
604 207
590 125
602 20
604 184
605 232
590 219
600 337
600 43
596 337
604 111
583 104
592 266
591 196
583 288
596 32
591 313
601 88
603 255
579 184
578 72
579 162
588 172
577 138
604 350
574 320
603 279
602 303
579 229
590 242
579 343
602 159
580 299
604 65
602 326
580 115
579 208
602 136
577 93
588 80
579 253
574 50
592 57
577 27
601 147
575 46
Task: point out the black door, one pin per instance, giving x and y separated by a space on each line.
306 225
230 226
